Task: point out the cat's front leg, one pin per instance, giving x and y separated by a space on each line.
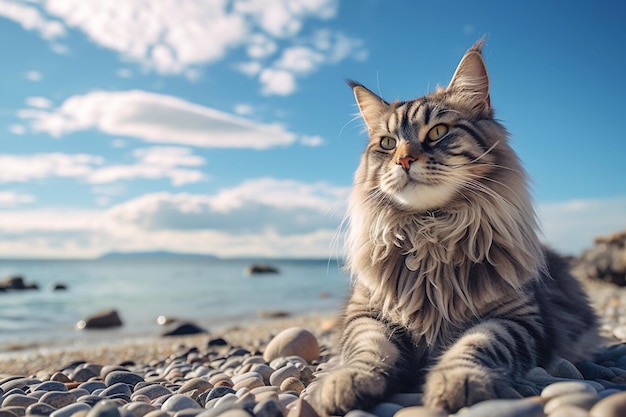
481 365
369 362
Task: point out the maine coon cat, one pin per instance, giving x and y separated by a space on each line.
453 293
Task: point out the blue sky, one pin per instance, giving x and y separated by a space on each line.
226 127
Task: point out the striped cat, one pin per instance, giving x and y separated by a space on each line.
452 291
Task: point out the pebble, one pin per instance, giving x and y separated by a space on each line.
611 406
220 380
70 409
293 341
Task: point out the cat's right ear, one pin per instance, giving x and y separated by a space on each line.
370 105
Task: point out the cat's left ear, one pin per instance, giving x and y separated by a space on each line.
470 80
370 105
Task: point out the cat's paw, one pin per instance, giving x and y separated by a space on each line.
452 389
344 389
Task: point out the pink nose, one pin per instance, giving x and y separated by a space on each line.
406 161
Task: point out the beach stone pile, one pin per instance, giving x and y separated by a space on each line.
605 261
218 379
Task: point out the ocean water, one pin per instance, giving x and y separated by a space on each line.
211 293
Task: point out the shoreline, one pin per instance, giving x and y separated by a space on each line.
252 335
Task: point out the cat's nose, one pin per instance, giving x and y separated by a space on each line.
406 161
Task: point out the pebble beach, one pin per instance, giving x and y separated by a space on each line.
261 370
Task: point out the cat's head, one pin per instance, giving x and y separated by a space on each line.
437 151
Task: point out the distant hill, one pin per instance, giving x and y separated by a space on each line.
156 254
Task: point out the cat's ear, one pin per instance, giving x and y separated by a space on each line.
470 80
370 105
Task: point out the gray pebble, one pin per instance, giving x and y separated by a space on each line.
611 406
268 408
226 399
19 383
582 400
4 412
153 391
40 409
155 413
139 409
592 370
506 408
219 392
359 413
569 387
385 409
128 378
90 399
19 411
563 368
119 388
283 373
105 408
20 400
569 411
188 412
83 374
58 399
419 411
70 409
179 402
264 370
49 386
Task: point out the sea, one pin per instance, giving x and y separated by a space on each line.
212 293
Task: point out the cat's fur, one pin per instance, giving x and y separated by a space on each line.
452 290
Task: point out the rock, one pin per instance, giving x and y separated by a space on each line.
139 409
101 320
407 399
605 261
419 411
505 408
217 342
70 409
569 411
385 409
562 368
293 341
562 388
128 378
58 399
283 373
184 329
611 406
59 287
292 384
40 409
179 402
301 408
16 282
582 400
19 400
49 386
105 408
261 269
268 408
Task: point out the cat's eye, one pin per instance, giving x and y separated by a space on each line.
388 143
437 132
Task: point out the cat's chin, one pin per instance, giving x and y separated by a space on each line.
422 198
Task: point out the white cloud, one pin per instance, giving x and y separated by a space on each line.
156 118
38 102
571 226
180 36
154 163
17 129
124 73
10 199
33 76
244 109
277 82
22 168
312 141
268 217
31 19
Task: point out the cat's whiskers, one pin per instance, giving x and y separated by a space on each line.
475 160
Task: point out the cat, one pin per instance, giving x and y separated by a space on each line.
452 290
